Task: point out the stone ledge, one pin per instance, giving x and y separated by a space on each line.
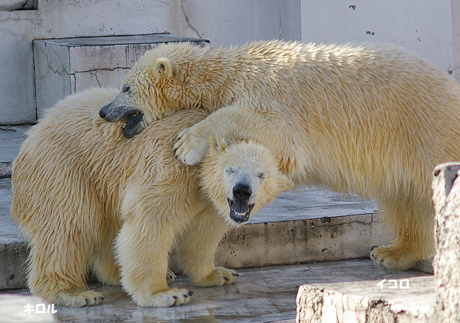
5 169
253 245
297 242
301 241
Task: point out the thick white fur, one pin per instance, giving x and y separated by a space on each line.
369 119
80 186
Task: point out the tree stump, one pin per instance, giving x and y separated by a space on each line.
446 263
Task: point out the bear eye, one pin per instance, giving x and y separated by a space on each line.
261 175
230 170
125 88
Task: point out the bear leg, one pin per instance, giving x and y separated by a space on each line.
197 247
79 298
106 270
142 249
103 263
61 280
192 143
414 235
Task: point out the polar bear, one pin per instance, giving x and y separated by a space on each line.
370 119
80 187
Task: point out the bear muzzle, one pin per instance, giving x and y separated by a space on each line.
240 206
134 117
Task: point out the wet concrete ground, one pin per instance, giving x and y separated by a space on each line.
265 294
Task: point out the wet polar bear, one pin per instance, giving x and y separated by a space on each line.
369 119
79 186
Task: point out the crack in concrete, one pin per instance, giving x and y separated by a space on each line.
186 19
49 62
97 78
94 75
95 70
7 129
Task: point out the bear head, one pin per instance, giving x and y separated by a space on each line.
167 78
241 178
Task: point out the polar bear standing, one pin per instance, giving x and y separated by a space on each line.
370 120
79 185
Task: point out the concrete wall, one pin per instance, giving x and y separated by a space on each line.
423 26
235 22
456 38
62 19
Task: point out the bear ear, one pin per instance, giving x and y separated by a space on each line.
216 145
163 67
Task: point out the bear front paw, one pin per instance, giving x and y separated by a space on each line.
171 297
219 276
78 298
190 148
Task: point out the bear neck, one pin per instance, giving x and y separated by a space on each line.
231 76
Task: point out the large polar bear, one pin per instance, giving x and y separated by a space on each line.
368 119
79 184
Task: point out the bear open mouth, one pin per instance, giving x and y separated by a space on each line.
132 118
240 211
132 126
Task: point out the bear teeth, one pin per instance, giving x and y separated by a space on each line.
240 214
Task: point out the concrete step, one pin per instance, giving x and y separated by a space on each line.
264 294
66 66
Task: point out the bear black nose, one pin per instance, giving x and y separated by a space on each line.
242 191
102 113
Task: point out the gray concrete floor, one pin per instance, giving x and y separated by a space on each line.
261 295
